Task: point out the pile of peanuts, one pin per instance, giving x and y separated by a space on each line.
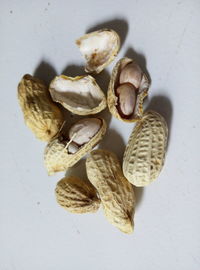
110 183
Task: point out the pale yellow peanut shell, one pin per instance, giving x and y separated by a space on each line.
112 99
41 115
80 95
116 193
76 195
145 152
57 158
101 49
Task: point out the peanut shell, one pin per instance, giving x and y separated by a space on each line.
80 95
99 48
57 158
112 98
41 115
76 195
116 193
145 152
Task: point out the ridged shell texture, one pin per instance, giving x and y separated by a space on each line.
76 195
145 152
116 193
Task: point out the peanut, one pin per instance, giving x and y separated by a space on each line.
131 73
145 151
76 195
116 193
62 153
41 115
127 98
82 131
127 71
72 148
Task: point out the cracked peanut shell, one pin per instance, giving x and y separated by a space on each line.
41 115
80 95
145 152
57 157
116 193
76 196
113 100
99 48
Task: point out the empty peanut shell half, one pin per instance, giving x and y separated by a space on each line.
99 49
41 114
76 195
66 150
127 89
80 95
145 152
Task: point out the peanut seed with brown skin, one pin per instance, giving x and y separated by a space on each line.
82 131
127 98
131 73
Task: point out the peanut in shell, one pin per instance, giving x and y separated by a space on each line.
116 193
57 157
113 99
76 195
145 152
41 115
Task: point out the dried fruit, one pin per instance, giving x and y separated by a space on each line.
116 193
61 152
127 71
76 195
80 95
145 152
41 115
99 49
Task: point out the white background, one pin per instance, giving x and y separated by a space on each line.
37 37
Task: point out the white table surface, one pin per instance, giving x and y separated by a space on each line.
37 37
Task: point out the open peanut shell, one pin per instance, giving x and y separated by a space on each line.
141 91
80 95
99 49
59 154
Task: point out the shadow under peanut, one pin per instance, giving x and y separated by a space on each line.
120 25
79 170
139 193
73 70
103 80
45 72
113 142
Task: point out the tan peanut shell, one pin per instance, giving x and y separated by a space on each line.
57 158
80 95
41 115
112 99
116 193
145 152
76 195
